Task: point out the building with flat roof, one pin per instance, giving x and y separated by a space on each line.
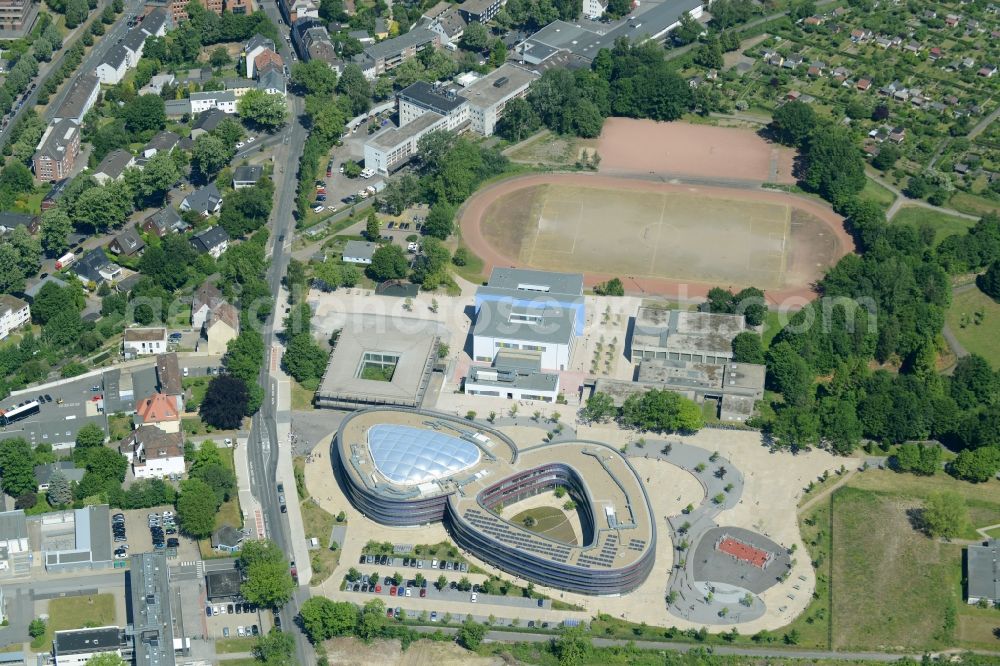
77 646
392 148
480 10
412 467
418 98
681 335
359 252
15 547
387 55
528 310
17 17
487 97
223 585
514 376
984 573
151 626
77 540
57 151
380 361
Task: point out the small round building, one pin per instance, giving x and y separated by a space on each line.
411 467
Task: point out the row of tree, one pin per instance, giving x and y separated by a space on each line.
655 411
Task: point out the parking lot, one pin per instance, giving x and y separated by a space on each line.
139 538
227 618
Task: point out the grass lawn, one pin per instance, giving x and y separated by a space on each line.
772 326
877 193
473 269
550 521
229 645
318 523
119 425
302 398
944 225
193 425
973 205
229 513
93 610
198 387
994 533
978 338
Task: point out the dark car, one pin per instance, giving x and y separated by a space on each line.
541 602
48 398
406 561
208 611
246 607
362 559
173 543
254 630
277 621
229 609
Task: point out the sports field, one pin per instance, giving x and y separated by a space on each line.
645 230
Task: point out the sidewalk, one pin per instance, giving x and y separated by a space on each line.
253 518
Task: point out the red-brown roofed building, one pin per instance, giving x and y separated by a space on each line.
159 410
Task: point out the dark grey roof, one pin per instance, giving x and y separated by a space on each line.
523 282
168 219
227 536
209 239
204 199
209 120
434 98
87 640
248 174
115 57
271 79
222 584
177 107
129 241
984 571
153 631
163 141
259 40
44 472
13 525
392 47
516 370
555 324
60 136
359 249
155 20
114 163
79 93
10 221
134 39
89 265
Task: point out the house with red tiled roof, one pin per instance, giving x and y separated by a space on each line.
158 410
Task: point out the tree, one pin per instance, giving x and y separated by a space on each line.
144 113
90 436
372 623
519 120
59 492
661 411
265 110
471 634
599 408
748 348
573 647
974 382
276 648
612 287
887 157
218 477
945 514
836 168
440 220
322 618
219 57
17 467
989 282
372 228
475 37
303 358
208 155
196 507
976 465
157 177
388 263
355 88
789 374
793 123
36 628
225 402
268 580
688 31
314 78
709 55
55 229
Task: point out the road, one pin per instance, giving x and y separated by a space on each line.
263 441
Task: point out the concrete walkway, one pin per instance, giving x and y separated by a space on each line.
903 200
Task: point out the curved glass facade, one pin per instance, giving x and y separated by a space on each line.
410 456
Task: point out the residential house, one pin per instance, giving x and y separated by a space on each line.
95 267
156 23
113 66
864 85
359 252
54 194
81 98
897 135
205 297
480 10
168 378
144 341
157 84
57 151
793 61
213 241
383 57
154 453
296 10
162 142
128 243
239 86
113 166
14 313
204 201
265 59
224 100
272 81
10 221
227 539
207 121
164 221
43 473
158 410
450 25
134 43
987 71
221 326
935 53
246 176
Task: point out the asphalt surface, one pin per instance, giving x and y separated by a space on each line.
263 441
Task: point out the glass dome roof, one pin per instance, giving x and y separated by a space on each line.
409 456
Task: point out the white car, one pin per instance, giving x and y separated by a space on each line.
409 592
331 208
222 609
251 139
240 144
240 631
474 598
318 209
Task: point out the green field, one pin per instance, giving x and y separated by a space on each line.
549 521
877 193
944 225
92 610
973 204
882 567
978 338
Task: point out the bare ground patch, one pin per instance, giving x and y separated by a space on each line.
352 652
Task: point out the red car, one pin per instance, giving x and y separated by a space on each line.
378 589
293 571
388 612
423 592
392 591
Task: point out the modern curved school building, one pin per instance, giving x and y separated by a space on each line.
411 467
